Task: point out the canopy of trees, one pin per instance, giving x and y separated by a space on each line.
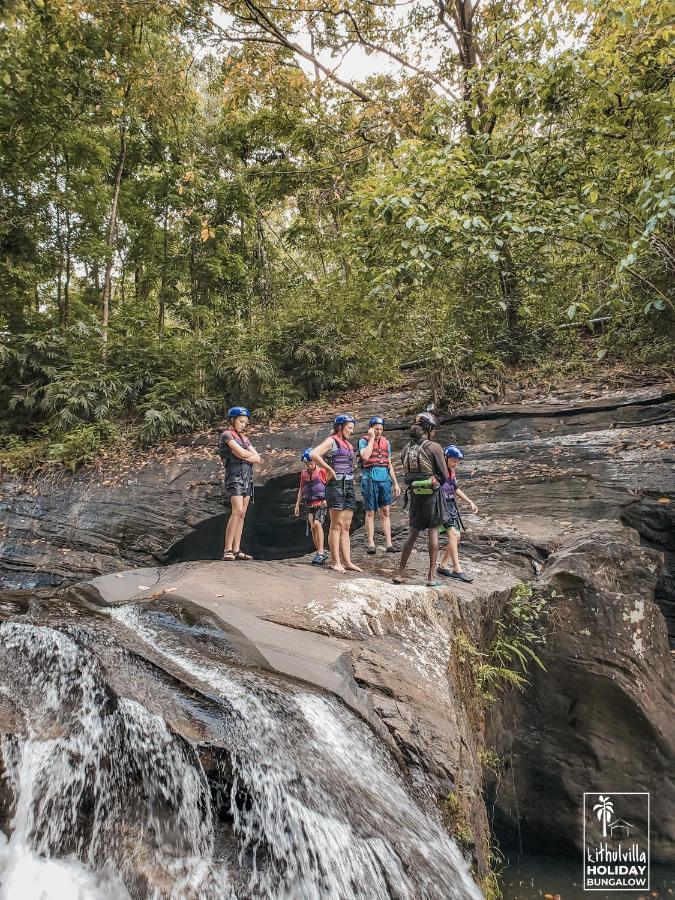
198 205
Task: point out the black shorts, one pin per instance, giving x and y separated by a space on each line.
316 514
239 486
426 511
341 494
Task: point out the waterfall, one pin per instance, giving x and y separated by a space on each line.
108 802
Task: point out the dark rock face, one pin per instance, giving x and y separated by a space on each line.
601 717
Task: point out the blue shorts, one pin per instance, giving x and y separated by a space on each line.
376 494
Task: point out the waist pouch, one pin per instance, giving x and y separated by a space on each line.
423 487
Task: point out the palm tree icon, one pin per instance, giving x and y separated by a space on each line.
605 811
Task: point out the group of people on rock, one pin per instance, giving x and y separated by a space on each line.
327 488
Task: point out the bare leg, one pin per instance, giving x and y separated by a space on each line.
452 551
370 527
433 552
345 543
317 535
385 521
235 524
334 540
239 528
406 551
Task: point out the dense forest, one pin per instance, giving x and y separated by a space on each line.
200 205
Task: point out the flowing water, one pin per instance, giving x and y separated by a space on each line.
135 762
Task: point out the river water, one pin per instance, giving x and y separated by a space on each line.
536 877
134 763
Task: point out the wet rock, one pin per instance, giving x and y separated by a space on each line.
601 717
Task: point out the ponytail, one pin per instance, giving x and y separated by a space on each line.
416 432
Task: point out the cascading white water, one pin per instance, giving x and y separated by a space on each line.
96 779
108 795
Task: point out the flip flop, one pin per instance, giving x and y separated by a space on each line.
228 556
371 550
240 556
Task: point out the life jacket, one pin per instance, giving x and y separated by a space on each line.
416 461
313 486
380 454
234 467
450 485
342 459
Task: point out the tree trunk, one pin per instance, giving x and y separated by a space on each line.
263 287
69 243
193 271
165 258
110 242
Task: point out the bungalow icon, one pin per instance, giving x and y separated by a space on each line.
619 829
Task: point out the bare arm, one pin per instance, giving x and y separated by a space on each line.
317 455
297 500
366 452
463 496
247 454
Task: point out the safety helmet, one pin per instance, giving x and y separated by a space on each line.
342 419
235 411
376 420
427 420
305 455
454 451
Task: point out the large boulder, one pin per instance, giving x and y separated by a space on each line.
600 718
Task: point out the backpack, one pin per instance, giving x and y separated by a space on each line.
416 461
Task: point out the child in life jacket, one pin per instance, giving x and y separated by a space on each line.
453 524
312 494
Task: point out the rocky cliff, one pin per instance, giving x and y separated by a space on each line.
554 479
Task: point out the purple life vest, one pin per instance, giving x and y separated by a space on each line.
450 486
313 487
342 458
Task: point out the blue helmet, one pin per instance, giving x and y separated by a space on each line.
235 411
454 451
342 419
376 420
305 455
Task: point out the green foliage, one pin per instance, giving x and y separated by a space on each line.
270 242
505 662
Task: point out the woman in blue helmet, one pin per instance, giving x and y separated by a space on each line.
336 455
453 521
238 457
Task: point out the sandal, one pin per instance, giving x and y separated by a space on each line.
390 549
398 579
433 584
228 556
240 555
370 550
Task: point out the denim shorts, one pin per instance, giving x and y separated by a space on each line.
340 493
376 494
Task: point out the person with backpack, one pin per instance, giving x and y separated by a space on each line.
453 523
239 457
425 471
336 456
378 480
312 493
